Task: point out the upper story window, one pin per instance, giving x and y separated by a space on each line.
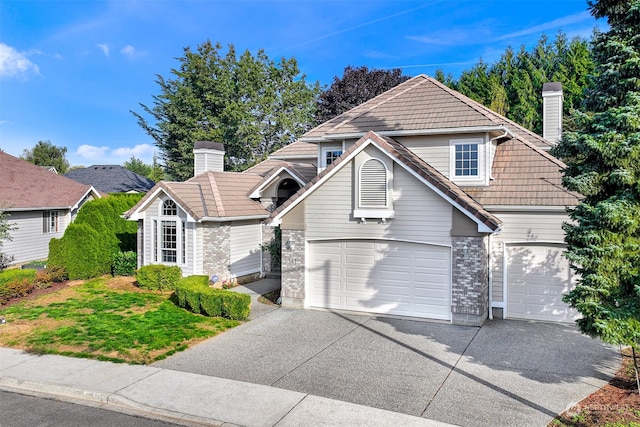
50 222
373 184
169 208
330 155
466 160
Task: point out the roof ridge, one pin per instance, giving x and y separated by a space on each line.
411 83
216 195
483 109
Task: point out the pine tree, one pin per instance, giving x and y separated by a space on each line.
603 164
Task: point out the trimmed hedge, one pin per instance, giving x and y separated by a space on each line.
16 283
158 277
194 294
124 263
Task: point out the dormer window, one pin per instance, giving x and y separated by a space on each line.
467 157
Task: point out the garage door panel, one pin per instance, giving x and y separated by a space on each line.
383 277
537 278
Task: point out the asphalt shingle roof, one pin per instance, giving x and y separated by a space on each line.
111 179
24 185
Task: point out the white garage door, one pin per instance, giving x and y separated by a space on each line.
537 277
407 279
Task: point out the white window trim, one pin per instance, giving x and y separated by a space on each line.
325 150
482 156
49 217
374 212
158 237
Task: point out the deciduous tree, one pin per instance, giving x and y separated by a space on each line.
47 154
357 85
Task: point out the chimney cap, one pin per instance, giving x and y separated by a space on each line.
552 87
208 145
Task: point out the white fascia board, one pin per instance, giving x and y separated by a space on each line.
257 193
417 132
90 190
42 208
276 220
232 218
482 228
135 215
524 208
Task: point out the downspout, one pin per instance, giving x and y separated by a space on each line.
506 133
490 262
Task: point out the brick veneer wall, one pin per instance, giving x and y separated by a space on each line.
216 249
470 282
293 268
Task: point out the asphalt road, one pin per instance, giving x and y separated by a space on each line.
17 410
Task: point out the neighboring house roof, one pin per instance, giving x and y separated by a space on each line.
421 105
266 168
25 186
524 175
296 150
411 161
111 179
50 169
210 195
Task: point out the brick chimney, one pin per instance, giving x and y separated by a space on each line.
552 100
208 156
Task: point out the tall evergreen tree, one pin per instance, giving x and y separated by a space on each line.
250 103
603 164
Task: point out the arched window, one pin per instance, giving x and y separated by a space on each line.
169 208
373 184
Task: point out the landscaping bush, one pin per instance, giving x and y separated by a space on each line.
194 294
82 254
16 283
124 263
158 277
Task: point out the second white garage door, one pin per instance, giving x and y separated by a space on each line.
537 277
400 278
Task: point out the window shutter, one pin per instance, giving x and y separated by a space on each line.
373 184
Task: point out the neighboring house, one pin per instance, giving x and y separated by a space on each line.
212 223
430 205
41 205
419 202
111 179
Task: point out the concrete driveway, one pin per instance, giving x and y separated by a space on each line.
503 374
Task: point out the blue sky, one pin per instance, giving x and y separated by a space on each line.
71 71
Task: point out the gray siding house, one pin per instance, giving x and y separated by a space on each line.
40 203
420 202
429 205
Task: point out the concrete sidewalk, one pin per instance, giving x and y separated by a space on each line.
181 397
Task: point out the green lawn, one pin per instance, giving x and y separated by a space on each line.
106 320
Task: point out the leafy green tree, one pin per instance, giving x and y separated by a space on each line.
136 165
251 103
357 85
47 154
5 228
603 160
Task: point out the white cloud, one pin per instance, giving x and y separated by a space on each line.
552 25
129 51
90 152
139 151
105 48
14 63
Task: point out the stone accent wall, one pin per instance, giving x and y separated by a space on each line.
293 268
470 282
267 236
216 249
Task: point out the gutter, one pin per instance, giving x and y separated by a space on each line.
414 132
232 218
